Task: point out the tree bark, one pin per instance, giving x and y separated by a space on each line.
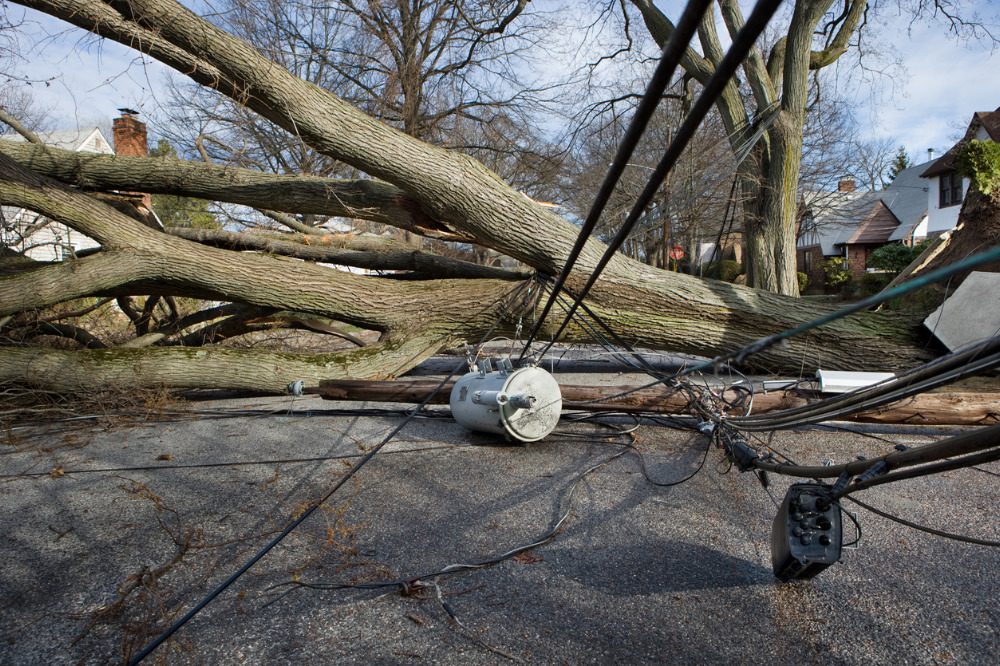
460 196
380 254
768 178
372 200
183 368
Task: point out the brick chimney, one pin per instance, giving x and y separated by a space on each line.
130 135
130 141
846 185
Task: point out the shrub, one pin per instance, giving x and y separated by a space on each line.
726 270
894 258
837 275
872 283
980 161
803 281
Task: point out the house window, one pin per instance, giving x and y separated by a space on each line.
951 189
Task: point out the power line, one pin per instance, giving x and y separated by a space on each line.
670 58
737 53
300 518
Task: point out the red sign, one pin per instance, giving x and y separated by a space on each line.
676 253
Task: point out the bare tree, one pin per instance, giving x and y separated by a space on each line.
425 188
442 71
815 35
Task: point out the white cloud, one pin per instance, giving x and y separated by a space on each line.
947 82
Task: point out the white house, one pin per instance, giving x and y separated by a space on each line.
946 187
36 236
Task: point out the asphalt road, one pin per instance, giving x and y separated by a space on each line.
111 531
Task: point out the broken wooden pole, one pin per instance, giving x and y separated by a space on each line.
965 408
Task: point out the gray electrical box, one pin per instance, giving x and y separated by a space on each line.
523 404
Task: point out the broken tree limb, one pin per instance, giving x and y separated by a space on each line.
371 200
924 409
457 195
185 368
390 256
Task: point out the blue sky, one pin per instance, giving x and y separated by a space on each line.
924 105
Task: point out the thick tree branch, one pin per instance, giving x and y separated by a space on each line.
372 254
362 199
662 309
756 71
840 42
139 254
18 127
179 368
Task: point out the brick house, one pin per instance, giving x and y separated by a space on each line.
852 224
922 201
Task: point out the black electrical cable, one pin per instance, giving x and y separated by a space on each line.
857 526
737 53
924 528
863 399
236 463
295 522
925 470
313 506
767 341
671 484
966 443
545 538
670 58
943 370
693 393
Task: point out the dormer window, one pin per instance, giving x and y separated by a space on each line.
950 193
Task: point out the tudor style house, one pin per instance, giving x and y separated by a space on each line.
922 201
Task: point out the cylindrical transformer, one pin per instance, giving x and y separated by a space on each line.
522 404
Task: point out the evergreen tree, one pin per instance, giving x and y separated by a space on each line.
900 162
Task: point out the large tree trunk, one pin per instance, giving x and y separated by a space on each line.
768 180
451 196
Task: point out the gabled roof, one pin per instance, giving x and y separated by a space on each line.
987 120
834 217
876 228
85 139
906 197
839 218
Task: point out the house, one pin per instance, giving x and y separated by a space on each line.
42 239
922 201
947 188
852 224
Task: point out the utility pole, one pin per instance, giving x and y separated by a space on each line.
668 228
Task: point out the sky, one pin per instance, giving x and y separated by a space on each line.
926 103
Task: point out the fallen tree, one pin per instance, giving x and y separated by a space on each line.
419 187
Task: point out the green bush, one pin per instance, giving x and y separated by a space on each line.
837 275
872 283
726 270
803 281
894 258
